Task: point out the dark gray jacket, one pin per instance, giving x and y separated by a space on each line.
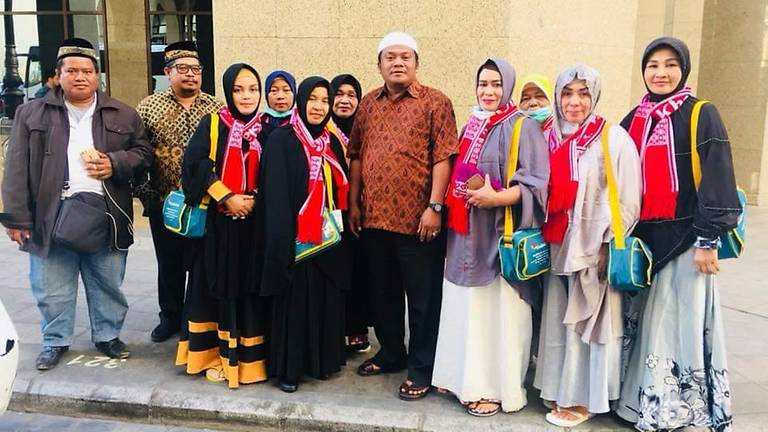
36 164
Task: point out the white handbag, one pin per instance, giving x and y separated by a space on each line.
9 357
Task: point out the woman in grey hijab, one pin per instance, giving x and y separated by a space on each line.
485 325
580 345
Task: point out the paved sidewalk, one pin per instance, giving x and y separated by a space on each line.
148 388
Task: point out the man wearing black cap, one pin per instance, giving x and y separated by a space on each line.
171 118
67 201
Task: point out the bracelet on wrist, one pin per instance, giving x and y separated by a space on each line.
707 243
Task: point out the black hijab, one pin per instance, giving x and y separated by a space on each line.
229 83
302 97
345 124
683 57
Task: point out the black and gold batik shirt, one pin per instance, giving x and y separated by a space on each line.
169 127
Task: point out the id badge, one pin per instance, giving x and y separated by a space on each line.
339 221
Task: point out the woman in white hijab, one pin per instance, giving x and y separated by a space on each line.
580 344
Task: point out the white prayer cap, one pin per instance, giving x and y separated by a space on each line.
398 38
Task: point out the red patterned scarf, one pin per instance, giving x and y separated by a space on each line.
240 172
547 125
333 128
564 175
475 133
318 151
657 154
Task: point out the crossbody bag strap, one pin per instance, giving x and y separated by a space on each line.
212 152
695 160
514 153
328 180
617 224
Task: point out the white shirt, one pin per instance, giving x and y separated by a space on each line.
80 139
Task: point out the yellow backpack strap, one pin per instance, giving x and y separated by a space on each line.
695 161
617 224
514 152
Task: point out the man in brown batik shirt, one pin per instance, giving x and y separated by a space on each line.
171 117
400 146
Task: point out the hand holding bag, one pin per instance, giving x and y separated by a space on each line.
523 253
629 258
732 242
183 219
331 231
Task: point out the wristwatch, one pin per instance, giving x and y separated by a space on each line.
436 207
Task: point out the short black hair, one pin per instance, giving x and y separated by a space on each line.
49 73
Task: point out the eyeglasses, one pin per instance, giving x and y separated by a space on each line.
184 68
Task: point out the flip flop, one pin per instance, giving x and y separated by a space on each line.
215 374
549 404
579 418
477 413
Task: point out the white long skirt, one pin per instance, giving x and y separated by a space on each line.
678 374
568 370
484 343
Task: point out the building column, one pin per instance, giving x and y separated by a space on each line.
733 74
127 38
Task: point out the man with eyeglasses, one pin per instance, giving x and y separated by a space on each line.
67 201
171 118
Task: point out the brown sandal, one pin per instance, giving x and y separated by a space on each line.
410 392
472 408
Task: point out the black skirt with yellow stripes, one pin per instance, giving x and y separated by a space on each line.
224 333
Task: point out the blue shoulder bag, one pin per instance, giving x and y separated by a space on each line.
732 242
187 220
629 258
523 253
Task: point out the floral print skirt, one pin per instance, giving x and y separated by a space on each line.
677 374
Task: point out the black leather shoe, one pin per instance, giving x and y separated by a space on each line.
164 331
49 357
115 349
287 386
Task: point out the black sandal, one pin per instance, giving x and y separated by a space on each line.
369 368
410 392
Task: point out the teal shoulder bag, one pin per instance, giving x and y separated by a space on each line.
523 254
183 219
629 258
732 242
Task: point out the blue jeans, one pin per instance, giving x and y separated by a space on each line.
54 285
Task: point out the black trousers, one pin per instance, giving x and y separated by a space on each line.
173 253
400 265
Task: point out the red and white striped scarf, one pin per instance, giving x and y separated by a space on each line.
318 150
657 154
465 166
564 175
240 172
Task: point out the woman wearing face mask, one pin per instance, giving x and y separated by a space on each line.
536 100
303 169
485 325
225 314
281 91
581 332
347 93
678 363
